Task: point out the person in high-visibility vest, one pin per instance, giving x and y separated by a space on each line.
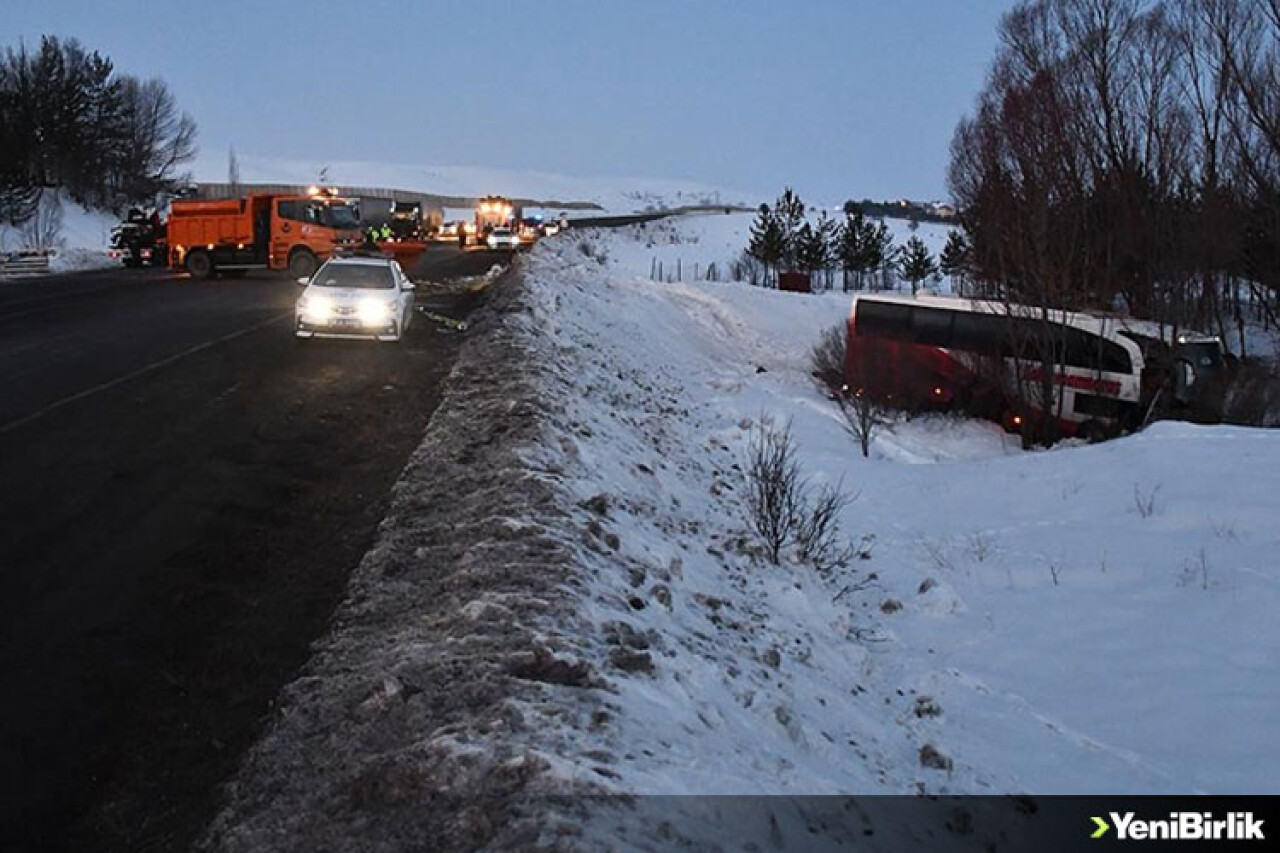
385 233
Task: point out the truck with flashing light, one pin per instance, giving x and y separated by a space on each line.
278 232
495 211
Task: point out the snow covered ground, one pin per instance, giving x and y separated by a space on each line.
696 247
1089 619
613 194
566 599
81 243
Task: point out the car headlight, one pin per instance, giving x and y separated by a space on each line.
374 312
316 308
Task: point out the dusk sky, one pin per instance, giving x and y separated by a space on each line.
840 98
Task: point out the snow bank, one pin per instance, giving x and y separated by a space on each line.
566 600
81 243
1088 619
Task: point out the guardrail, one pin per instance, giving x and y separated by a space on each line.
16 266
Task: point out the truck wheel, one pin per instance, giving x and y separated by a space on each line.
199 264
302 263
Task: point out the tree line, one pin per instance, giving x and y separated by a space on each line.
68 119
860 247
1126 154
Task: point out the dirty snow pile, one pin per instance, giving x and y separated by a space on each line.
1086 619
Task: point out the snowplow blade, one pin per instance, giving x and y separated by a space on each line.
406 252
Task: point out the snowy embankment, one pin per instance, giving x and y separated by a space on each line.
1090 619
567 598
81 242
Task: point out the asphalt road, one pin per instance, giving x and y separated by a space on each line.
184 490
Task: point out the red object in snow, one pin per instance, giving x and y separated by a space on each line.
795 282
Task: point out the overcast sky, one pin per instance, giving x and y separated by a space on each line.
840 98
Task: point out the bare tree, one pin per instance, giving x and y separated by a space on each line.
43 230
827 358
160 139
863 416
775 488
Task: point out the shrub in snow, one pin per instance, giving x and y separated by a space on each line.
863 416
785 511
826 359
774 485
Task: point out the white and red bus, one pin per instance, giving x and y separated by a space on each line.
989 358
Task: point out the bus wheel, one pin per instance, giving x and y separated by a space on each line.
302 263
199 264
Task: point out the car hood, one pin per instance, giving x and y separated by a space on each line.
349 295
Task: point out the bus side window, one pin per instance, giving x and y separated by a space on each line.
979 333
1092 352
931 327
883 320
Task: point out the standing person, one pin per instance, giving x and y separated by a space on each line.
462 235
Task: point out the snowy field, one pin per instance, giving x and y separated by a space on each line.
696 247
613 194
1092 619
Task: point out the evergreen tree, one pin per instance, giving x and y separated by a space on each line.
954 260
827 238
67 119
876 250
849 243
768 242
916 263
789 211
811 249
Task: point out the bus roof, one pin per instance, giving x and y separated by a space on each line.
1104 325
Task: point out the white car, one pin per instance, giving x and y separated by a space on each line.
354 297
503 238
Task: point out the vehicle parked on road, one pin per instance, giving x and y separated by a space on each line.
277 232
494 212
503 238
355 297
140 240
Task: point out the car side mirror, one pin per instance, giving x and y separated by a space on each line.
407 285
304 281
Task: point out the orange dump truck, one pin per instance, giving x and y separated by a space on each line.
276 232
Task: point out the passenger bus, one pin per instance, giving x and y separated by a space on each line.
1025 367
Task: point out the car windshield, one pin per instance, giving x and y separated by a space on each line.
364 276
341 216
501 232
